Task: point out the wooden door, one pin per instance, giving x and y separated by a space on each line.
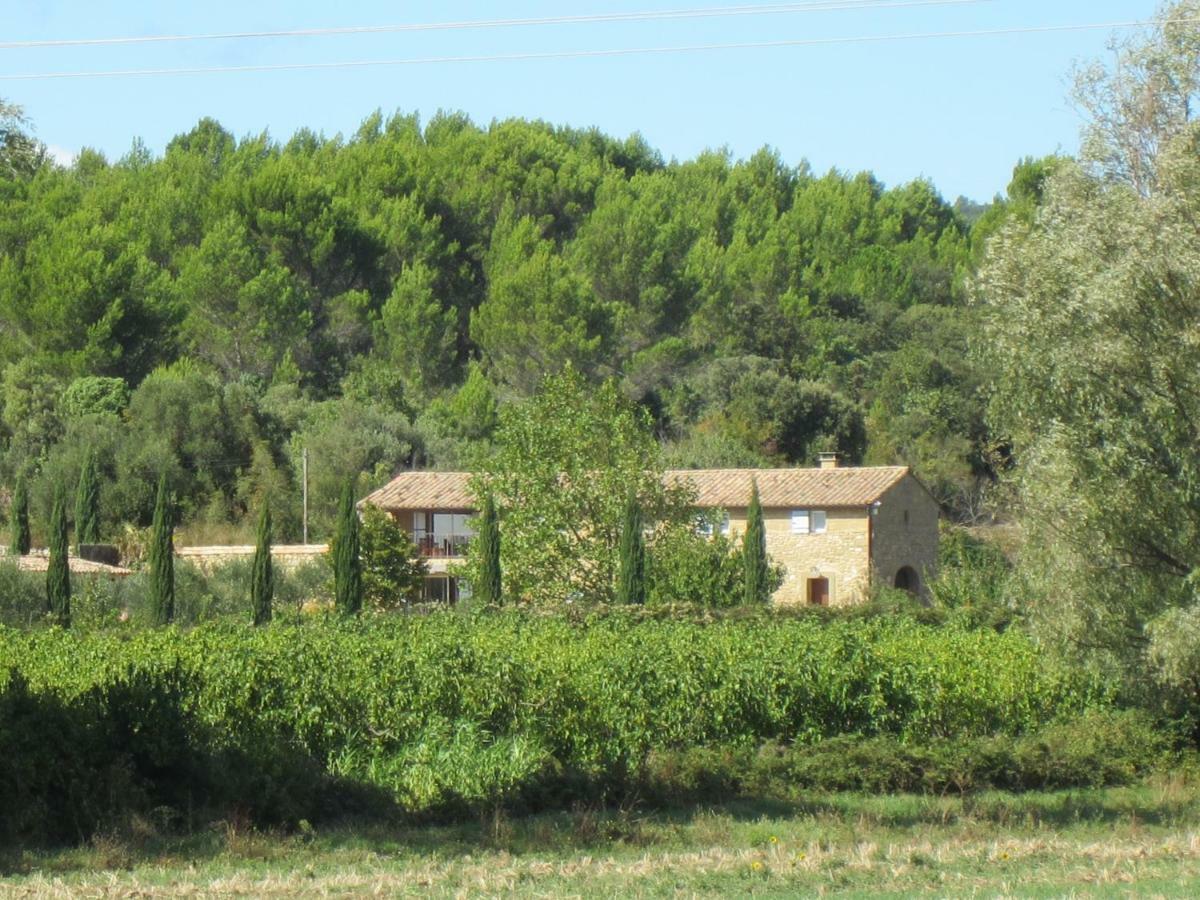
818 591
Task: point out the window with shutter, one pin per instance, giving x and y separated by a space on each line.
799 521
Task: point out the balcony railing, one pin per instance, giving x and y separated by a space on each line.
442 545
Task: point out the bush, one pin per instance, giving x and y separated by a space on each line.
441 713
1094 749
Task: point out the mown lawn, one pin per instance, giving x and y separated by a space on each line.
1142 841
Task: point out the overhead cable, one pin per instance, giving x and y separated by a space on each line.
645 16
594 54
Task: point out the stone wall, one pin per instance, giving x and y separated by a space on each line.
906 534
839 555
285 556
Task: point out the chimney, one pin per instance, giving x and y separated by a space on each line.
829 460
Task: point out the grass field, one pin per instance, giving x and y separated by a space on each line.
1141 841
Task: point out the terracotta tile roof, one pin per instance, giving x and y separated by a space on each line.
424 490
730 488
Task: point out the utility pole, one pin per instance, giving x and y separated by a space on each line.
304 479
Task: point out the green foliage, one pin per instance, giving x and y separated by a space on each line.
565 461
87 503
58 571
631 560
18 519
688 567
487 589
20 154
345 552
393 570
94 395
975 580
1088 311
377 300
262 572
161 557
447 713
756 584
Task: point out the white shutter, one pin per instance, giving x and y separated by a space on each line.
725 524
799 521
818 521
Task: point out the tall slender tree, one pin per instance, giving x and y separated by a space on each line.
487 545
87 503
19 539
262 578
58 571
754 554
631 574
162 557
347 566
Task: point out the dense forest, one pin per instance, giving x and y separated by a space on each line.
374 299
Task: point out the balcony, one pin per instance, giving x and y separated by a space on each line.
439 545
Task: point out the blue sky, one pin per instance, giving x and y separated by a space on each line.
960 111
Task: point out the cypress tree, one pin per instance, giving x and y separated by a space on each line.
754 552
631 577
488 547
162 557
347 566
262 577
87 504
58 571
19 540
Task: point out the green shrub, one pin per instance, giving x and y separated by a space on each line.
441 712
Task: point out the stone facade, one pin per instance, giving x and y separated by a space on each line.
859 544
905 534
879 523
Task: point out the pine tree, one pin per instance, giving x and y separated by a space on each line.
58 571
162 557
19 539
347 567
488 547
87 504
262 578
754 555
631 576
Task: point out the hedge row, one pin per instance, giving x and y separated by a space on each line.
434 712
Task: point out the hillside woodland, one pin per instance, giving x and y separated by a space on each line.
375 298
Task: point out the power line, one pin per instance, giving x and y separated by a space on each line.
592 54
646 16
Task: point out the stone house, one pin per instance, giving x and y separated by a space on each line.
835 530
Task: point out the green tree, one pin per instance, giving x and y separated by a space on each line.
756 583
487 548
347 563
58 570
1090 315
631 571
18 533
87 503
539 316
20 154
262 573
418 332
565 461
700 567
393 570
161 557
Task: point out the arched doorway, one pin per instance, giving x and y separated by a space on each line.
907 579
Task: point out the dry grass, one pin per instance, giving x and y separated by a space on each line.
1121 842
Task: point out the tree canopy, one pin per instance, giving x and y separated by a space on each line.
376 299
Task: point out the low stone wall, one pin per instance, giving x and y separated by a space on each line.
285 556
